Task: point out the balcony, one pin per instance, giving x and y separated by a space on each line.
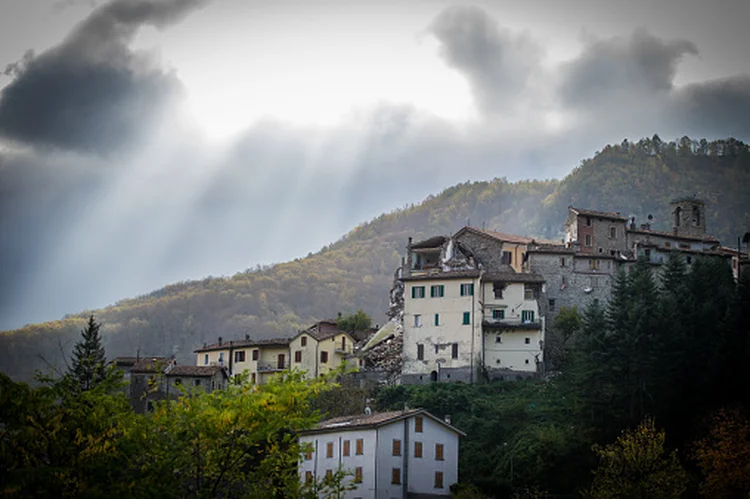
272 368
511 324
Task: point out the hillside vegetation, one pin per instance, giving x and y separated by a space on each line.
357 271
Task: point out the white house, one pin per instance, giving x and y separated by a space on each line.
400 454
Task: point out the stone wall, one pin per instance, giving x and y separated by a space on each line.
487 250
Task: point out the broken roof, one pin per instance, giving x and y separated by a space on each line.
612 215
431 242
150 365
374 420
551 248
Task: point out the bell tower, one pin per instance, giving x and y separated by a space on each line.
688 217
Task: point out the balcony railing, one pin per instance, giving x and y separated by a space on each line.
274 367
513 323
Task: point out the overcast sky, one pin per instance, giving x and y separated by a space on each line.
144 142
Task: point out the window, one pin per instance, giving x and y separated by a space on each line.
438 479
418 424
396 476
360 446
527 361
239 356
252 378
396 447
613 232
454 351
420 352
308 477
178 381
507 258
329 450
551 303
358 474
498 288
221 358
467 318
562 261
593 264
588 221
527 341
437 291
329 474
467 289
498 339
298 356
437 319
417 320
308 455
417 292
347 447
689 259
438 452
205 359
197 382
323 357
527 316
256 354
530 291
417 449
498 314
588 239
303 341
601 250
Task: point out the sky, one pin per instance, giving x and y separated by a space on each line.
144 142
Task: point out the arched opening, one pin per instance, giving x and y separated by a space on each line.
696 216
677 216
433 376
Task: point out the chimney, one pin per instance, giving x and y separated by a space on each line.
220 340
339 315
409 241
247 336
448 418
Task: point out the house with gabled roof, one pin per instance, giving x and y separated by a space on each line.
404 454
322 348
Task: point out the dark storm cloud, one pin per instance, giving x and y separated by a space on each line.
496 62
639 65
721 106
92 92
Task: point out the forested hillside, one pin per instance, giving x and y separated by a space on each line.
357 271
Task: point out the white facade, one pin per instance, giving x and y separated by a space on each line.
442 324
401 453
514 330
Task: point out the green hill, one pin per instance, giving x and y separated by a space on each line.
357 271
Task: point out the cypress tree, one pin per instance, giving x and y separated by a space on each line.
88 368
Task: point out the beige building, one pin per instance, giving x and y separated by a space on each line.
321 349
258 359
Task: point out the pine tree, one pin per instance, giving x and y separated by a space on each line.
89 362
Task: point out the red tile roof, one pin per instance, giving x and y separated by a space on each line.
224 345
194 371
375 419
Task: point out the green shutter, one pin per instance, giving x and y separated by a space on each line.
437 319
471 289
467 318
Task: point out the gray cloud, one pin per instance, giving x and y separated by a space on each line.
496 62
637 66
719 106
92 92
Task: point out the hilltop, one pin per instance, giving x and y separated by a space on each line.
636 179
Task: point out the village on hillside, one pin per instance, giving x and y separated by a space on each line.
472 306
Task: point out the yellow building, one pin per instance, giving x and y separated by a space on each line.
321 349
259 359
